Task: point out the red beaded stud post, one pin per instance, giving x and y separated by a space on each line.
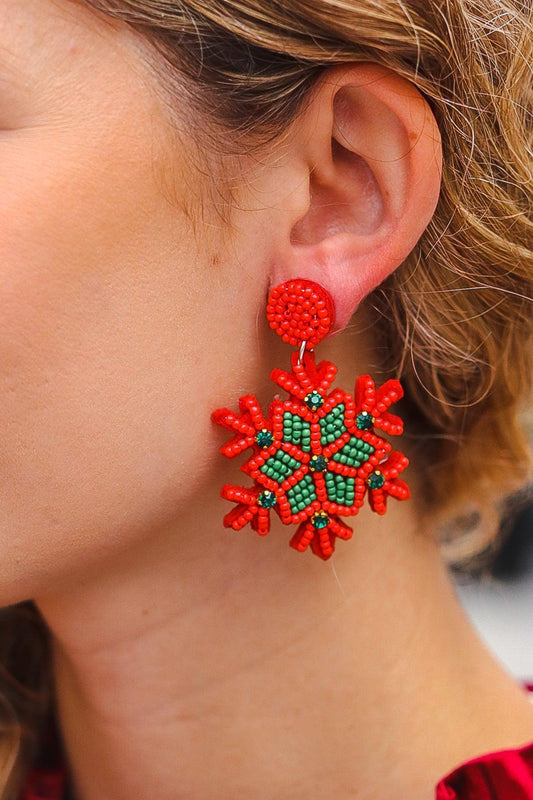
315 456
300 311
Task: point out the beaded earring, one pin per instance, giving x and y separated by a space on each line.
316 455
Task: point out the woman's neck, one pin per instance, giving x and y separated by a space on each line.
209 663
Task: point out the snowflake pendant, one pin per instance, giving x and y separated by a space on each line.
316 455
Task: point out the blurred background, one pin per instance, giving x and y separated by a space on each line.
500 604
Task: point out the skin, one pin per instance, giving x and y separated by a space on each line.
188 659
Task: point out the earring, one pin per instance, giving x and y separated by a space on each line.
316 455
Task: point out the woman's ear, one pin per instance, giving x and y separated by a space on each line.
372 151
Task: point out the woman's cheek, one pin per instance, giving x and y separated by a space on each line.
90 338
118 336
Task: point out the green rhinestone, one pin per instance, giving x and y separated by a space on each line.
267 499
320 519
313 401
364 421
318 463
264 438
375 480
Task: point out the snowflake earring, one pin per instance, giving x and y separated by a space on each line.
316 455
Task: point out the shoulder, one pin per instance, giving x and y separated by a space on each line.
503 774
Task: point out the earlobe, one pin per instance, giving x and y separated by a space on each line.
374 159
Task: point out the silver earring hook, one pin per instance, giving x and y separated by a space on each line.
302 351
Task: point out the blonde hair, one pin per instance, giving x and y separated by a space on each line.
455 319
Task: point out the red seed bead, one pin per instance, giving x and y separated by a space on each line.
300 311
